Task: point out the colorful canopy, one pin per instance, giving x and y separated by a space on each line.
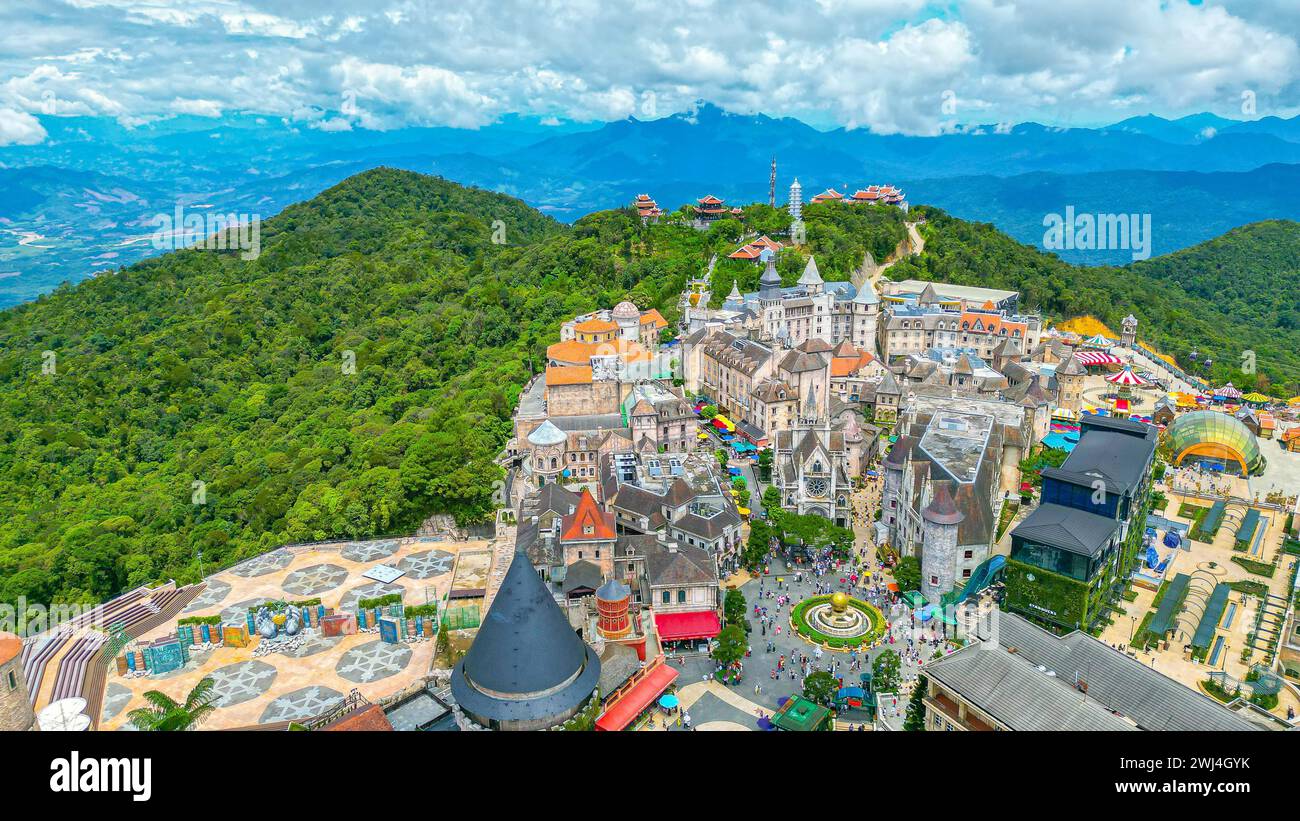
1228 391
1098 341
1090 358
1126 378
1257 397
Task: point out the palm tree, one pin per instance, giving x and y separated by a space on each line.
165 714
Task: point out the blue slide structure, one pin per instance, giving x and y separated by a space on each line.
987 573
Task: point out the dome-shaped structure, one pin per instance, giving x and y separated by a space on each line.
626 310
527 669
1215 438
547 434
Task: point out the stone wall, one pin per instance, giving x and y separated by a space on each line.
15 711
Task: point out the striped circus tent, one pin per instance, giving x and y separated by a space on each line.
1257 398
1091 358
1126 378
1228 392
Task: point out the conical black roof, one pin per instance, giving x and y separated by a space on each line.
526 663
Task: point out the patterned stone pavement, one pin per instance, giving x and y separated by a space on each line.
304 703
313 644
314 579
261 565
373 661
214 593
116 697
427 564
237 612
240 682
370 551
368 591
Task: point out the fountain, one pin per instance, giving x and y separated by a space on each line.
842 620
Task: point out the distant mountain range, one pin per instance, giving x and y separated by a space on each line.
83 201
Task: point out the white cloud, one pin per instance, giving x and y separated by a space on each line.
880 64
20 128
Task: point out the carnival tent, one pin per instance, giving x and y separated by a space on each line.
1227 392
1097 341
1091 358
1257 398
1126 378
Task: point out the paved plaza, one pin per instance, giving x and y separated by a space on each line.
709 701
314 671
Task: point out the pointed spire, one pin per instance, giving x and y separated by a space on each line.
526 663
811 276
942 509
866 294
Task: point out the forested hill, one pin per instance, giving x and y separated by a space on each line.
1234 294
198 366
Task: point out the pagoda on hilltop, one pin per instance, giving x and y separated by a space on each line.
647 209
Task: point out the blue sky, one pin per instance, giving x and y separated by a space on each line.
894 66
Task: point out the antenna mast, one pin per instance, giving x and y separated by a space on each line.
771 185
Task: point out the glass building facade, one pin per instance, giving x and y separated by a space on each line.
1217 439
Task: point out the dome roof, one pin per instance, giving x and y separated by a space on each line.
547 434
613 590
1214 435
626 310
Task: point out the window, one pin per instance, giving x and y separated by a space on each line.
666 598
934 581
681 597
965 574
13 680
588 530
969 554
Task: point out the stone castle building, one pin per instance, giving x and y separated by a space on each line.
16 712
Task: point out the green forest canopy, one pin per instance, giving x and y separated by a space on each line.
197 366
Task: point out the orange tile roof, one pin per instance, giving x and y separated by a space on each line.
573 352
654 316
10 647
369 720
993 324
568 375
588 514
845 365
595 325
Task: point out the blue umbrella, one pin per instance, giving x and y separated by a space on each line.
668 701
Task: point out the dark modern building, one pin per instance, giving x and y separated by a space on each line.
527 669
1070 555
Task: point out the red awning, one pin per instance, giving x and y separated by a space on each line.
682 626
641 696
718 423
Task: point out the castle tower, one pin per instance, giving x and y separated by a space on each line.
628 318
1129 332
811 280
16 712
613 602
527 669
548 443
1069 384
939 524
769 284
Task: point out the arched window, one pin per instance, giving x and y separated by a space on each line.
553 464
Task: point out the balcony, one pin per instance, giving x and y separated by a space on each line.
952 712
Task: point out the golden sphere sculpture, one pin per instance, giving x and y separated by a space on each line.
839 602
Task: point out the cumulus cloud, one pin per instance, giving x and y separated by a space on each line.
894 66
19 128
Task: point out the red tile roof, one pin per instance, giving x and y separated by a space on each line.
369 720
587 515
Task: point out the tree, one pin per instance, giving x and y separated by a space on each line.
731 645
820 687
771 499
708 411
164 714
885 671
758 545
914 720
734 607
907 573
765 464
